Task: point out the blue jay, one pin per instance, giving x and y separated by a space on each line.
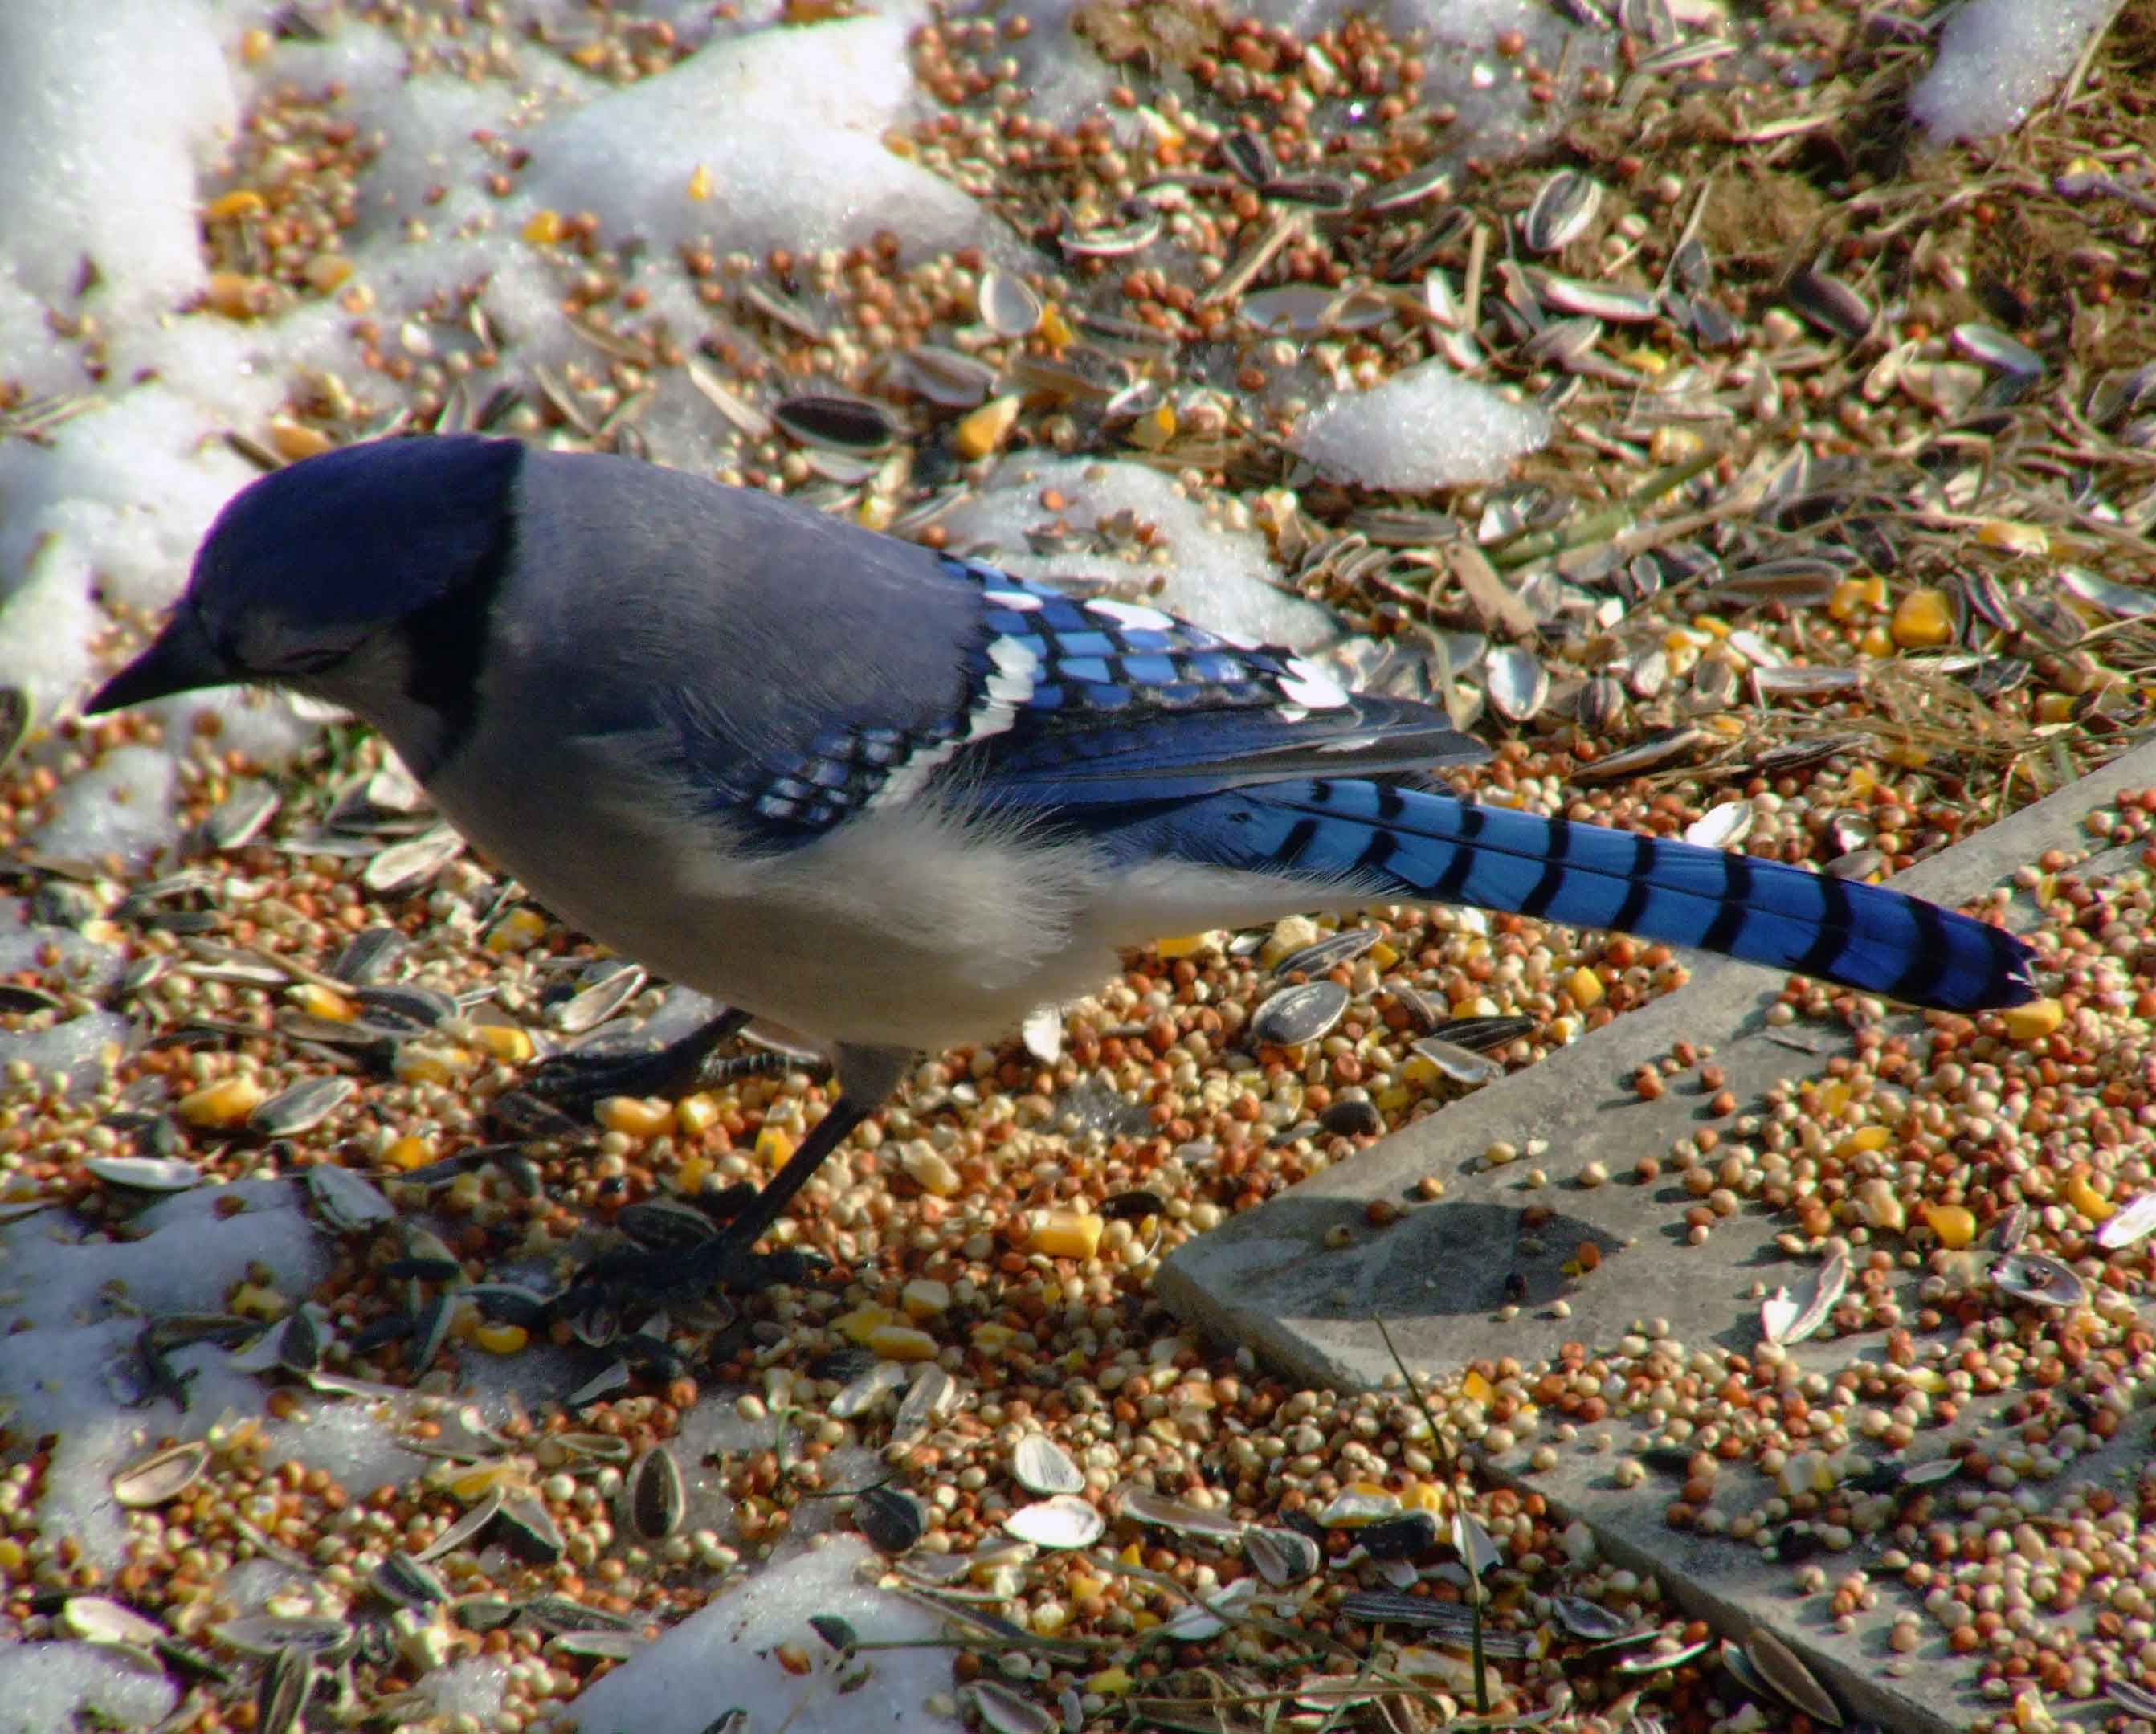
894 799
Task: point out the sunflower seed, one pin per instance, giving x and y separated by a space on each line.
1461 1064
265 1634
930 1397
658 1501
1600 300
833 422
1433 180
2128 1225
1143 1505
1280 1556
1007 306
238 819
1298 310
1344 947
946 377
1518 683
1785 1319
144 1173
1664 1655
531 1533
162 1475
746 417
1140 228
891 1521
1790 1679
1562 208
597 1645
1297 1015
97 1619
406 1581
1040 1465
301 1108
1832 306
465 1530
1313 192
1002 1710
1664 748
1061 1521
1249 154
1594 1623
609 986
287 1684
2040 1280
1994 348
348 1202
407 866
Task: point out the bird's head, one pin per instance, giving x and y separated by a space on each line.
351 576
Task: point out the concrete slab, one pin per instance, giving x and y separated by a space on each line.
1440 1275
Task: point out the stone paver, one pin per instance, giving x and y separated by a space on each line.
1438 1276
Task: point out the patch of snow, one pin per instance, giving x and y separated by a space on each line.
1423 427
1998 58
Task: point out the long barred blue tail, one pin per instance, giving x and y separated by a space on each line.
1392 841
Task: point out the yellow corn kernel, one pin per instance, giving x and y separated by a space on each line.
327 271
1153 430
408 1153
1186 946
2034 1021
1475 1005
11 1554
1419 1072
295 440
1672 444
1056 331
991 1340
255 46
1908 756
1143 1619
543 228
500 1339
929 1169
1713 625
2086 1199
900 1342
690 1177
1384 956
1864 1138
1393 1099
1954 1224
858 1326
924 1297
772 1146
876 512
227 1102
1067 1235
1585 987
2055 707
1876 641
241 201
695 1112
1427 1496
699 183
1847 601
253 1301
635 1116
518 931
1476 1388
1923 619
432 1062
320 1002
2015 538
502 1041
982 431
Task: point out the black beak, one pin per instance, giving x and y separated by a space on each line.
180 659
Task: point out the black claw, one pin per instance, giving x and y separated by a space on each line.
579 1081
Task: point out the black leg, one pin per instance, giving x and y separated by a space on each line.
580 1082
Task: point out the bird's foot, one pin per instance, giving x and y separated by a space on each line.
578 1082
